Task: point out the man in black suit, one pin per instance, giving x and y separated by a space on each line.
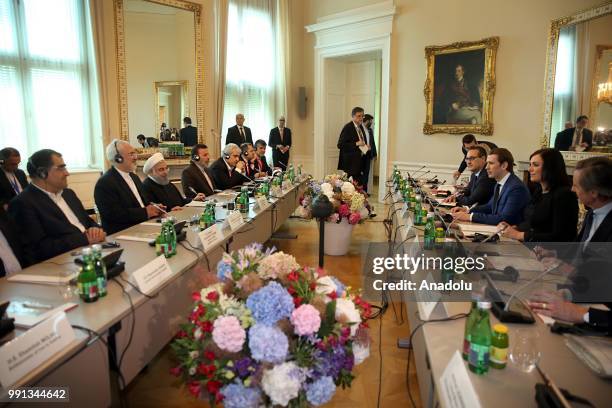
239 134
481 187
467 142
119 194
352 139
260 158
50 216
577 138
147 141
12 179
280 143
228 170
158 187
11 251
188 134
197 177
368 122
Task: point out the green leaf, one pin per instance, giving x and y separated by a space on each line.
327 325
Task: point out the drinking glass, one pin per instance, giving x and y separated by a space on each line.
525 350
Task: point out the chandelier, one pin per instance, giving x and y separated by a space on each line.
604 89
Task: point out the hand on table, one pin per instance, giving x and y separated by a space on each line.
553 304
95 235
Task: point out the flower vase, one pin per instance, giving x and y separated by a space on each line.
337 237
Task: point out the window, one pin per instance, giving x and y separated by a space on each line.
47 86
251 68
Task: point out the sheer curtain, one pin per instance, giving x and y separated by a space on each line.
47 82
254 66
564 100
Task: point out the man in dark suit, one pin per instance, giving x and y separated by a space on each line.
147 141
50 216
158 187
197 177
119 194
577 138
188 134
467 142
260 159
239 134
11 251
352 138
228 170
280 143
368 122
480 188
510 196
12 179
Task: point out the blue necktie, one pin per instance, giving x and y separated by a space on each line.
15 185
496 197
588 223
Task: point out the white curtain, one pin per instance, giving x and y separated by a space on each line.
255 80
564 99
47 80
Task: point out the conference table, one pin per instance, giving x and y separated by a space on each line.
435 343
136 326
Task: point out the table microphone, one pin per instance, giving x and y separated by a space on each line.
416 171
247 177
413 177
546 271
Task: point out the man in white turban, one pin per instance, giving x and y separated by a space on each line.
158 185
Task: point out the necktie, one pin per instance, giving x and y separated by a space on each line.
282 133
496 197
359 134
588 223
242 134
15 184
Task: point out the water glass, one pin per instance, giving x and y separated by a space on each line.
525 350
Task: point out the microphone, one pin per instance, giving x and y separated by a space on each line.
431 179
284 164
416 171
247 177
546 271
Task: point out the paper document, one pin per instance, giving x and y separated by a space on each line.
30 312
520 264
194 203
138 236
443 204
595 352
470 228
51 278
364 149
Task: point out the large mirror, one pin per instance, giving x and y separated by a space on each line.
577 82
159 55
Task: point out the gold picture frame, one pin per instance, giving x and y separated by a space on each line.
451 105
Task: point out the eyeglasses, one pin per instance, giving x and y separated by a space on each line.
469 159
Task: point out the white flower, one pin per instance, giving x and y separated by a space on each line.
325 285
217 287
346 312
327 188
192 370
282 383
194 354
364 213
330 195
360 352
347 188
197 334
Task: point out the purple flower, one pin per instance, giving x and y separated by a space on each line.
268 344
321 391
340 288
331 361
245 367
238 396
270 304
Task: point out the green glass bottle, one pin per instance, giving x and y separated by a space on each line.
429 236
480 340
418 214
100 268
202 222
87 281
469 322
172 234
291 174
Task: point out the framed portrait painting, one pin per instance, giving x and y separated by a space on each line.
460 86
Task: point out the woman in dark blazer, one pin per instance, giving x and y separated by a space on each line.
552 214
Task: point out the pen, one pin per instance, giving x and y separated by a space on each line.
159 208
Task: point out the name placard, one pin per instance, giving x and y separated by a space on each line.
152 274
235 220
210 237
261 203
37 345
457 389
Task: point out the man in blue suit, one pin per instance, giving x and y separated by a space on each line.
510 196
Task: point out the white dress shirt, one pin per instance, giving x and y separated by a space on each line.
599 215
11 264
13 180
58 199
208 180
131 185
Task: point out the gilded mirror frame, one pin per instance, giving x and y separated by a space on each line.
121 65
551 59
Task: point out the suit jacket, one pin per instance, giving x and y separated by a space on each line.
234 136
261 164
463 164
512 201
372 153
150 142
167 195
274 139
189 135
45 230
193 177
603 233
565 137
221 175
9 230
118 207
7 192
479 190
350 155
551 217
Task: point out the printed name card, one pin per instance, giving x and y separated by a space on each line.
152 274
261 203
235 220
37 345
457 388
210 237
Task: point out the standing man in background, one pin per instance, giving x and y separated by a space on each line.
352 145
280 142
12 179
467 143
239 133
188 134
368 158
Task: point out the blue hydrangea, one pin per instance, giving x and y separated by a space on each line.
340 287
224 270
321 391
270 304
238 396
268 343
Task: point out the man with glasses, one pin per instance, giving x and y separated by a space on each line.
228 169
280 143
119 194
50 216
480 188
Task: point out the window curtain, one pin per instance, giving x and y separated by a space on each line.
255 65
221 22
48 85
564 100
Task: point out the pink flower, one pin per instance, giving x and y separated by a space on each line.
176 371
343 210
194 388
228 334
354 218
306 320
334 217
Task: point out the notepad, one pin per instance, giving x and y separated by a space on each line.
29 312
138 236
195 203
470 228
595 352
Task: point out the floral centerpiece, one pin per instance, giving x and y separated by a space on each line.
348 198
271 332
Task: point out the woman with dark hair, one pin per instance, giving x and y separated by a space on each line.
552 214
